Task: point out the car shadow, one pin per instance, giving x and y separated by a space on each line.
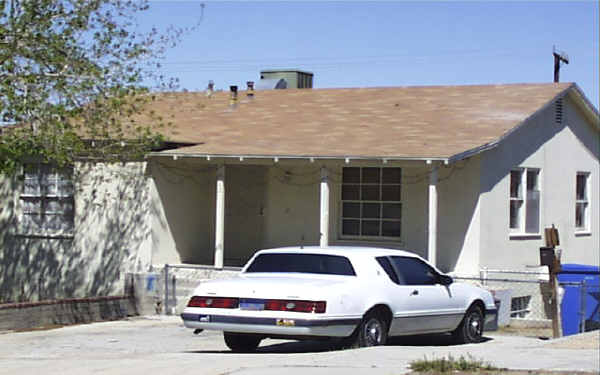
320 346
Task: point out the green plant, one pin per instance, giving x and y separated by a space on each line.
445 365
75 75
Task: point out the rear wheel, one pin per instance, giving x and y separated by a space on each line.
241 342
470 329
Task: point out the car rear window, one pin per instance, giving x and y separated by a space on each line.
302 263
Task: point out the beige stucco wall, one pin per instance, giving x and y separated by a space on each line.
270 205
559 151
112 236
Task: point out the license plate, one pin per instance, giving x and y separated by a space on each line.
252 304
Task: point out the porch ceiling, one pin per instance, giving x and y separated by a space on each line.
437 122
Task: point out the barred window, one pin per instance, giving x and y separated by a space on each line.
371 202
47 200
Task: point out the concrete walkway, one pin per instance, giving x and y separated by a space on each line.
162 345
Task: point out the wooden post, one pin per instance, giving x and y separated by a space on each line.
554 268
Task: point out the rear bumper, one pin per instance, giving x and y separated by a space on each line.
491 320
272 326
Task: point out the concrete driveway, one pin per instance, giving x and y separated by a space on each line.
161 345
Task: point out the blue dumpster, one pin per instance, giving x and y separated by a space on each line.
581 302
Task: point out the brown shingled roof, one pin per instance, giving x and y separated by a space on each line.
394 122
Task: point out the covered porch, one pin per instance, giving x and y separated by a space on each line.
219 210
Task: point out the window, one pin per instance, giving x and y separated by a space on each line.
384 262
413 271
582 202
47 200
525 201
302 263
519 306
371 206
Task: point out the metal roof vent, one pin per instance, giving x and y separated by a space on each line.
558 111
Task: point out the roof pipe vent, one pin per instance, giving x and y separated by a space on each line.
234 96
210 89
250 92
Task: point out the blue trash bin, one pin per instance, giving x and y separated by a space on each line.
581 283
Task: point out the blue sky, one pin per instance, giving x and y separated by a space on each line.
389 43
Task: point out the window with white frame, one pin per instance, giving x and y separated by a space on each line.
47 200
371 204
525 200
582 202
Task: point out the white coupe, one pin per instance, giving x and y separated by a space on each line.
359 295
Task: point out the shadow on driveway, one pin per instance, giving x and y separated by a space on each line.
320 346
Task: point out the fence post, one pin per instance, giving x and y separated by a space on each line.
483 275
174 292
582 306
166 289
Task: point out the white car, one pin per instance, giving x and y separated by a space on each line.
361 295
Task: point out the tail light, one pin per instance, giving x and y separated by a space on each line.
317 307
214 302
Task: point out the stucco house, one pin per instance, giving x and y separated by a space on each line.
465 176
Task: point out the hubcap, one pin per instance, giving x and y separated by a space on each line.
373 332
474 326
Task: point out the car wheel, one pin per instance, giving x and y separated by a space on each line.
470 329
240 342
373 331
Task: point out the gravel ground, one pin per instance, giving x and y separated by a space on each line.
588 340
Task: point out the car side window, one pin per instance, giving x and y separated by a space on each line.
414 271
384 262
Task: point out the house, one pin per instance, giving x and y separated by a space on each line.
465 176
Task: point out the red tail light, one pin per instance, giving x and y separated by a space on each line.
317 307
214 302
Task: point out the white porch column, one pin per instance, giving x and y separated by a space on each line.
220 217
324 242
433 205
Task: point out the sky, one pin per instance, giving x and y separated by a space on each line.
388 43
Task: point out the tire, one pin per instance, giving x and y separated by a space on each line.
240 342
470 329
372 331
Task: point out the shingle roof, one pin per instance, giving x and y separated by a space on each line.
395 122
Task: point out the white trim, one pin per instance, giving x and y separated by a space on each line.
324 215
433 217
220 218
586 228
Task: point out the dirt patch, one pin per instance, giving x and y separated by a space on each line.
508 372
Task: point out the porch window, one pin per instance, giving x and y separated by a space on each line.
525 201
582 202
371 204
47 200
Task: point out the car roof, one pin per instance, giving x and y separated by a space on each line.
340 250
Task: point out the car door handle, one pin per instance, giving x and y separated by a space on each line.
415 293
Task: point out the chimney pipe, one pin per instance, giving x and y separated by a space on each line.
250 93
210 89
234 96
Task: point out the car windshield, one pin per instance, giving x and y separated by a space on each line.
302 263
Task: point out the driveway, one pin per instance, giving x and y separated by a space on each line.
161 345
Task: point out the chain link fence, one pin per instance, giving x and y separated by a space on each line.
180 280
525 299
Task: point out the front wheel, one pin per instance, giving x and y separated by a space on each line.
240 342
470 329
373 331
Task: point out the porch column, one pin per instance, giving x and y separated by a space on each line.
220 217
433 205
324 241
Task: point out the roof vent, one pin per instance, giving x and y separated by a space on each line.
234 96
250 92
558 111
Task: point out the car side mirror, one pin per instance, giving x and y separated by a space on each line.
445 280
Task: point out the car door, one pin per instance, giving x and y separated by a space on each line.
426 304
